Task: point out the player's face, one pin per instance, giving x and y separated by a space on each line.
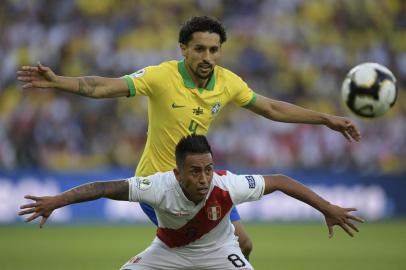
201 54
195 176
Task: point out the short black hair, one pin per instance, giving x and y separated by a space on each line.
201 24
192 144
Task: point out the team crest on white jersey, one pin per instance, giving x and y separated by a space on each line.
214 212
138 73
215 108
143 183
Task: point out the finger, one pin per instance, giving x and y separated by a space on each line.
355 130
41 68
23 78
352 129
330 232
26 78
29 68
32 217
24 73
31 197
346 229
354 134
355 218
43 220
27 86
346 135
350 209
350 124
28 205
28 211
352 226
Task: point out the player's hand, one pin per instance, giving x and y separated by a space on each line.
36 77
345 126
336 215
41 207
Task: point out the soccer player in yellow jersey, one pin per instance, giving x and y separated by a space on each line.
178 106
184 97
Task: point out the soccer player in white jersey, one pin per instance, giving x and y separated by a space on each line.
184 97
192 204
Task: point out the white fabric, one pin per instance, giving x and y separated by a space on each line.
173 210
159 256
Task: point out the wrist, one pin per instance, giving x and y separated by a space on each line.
57 82
325 119
60 201
325 208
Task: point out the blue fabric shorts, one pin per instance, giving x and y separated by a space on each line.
149 211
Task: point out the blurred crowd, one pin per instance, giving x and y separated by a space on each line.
294 50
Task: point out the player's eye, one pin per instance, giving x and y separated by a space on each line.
214 49
209 170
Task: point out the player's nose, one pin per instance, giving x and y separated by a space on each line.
207 56
204 180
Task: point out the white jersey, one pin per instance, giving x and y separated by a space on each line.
204 226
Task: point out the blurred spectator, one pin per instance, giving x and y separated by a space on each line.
294 50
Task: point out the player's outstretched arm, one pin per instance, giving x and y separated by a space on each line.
90 86
44 206
286 112
333 214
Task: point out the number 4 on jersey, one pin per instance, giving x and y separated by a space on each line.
193 127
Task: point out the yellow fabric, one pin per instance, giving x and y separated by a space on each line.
174 110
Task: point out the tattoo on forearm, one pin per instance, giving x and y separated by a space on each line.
87 86
117 190
83 193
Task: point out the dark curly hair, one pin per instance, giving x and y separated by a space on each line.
192 144
201 24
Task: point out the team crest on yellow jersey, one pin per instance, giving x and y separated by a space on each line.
215 108
138 73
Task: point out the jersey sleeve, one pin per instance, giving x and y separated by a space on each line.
144 189
243 95
244 188
144 81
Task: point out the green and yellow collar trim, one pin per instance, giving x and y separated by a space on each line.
189 83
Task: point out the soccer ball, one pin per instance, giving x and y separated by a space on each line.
369 90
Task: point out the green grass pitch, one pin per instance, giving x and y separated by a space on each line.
276 246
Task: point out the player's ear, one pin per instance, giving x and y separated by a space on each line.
183 48
177 174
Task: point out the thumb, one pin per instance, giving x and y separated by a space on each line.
330 232
41 68
43 220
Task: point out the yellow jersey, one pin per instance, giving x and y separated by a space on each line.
177 108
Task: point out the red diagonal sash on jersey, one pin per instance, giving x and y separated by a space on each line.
217 206
221 172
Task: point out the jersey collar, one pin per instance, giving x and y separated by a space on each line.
187 80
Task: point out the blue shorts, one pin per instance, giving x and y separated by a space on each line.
149 211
